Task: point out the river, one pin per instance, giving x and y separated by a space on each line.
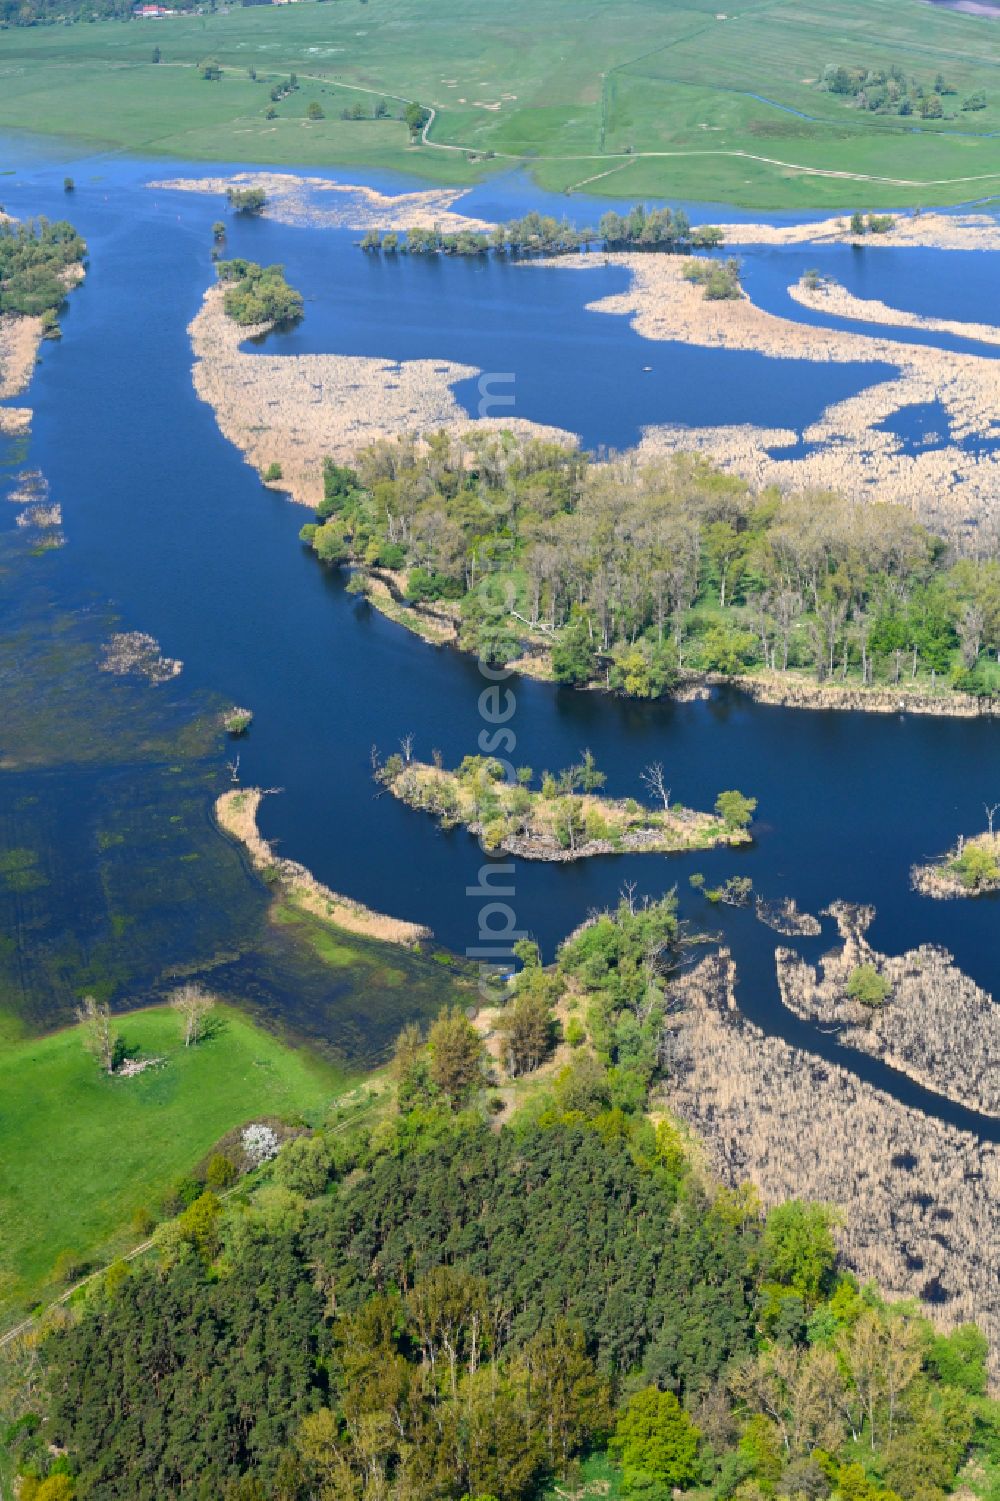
169 528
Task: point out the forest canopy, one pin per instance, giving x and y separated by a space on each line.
421 1307
630 573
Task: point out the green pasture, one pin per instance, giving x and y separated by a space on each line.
83 1151
586 98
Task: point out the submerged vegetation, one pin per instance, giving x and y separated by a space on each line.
417 1307
566 818
258 294
37 261
636 574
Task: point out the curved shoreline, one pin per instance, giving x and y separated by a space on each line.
298 410
236 815
836 300
922 1196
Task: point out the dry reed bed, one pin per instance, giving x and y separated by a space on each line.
921 1199
300 409
948 487
20 339
236 813
294 200
933 231
935 1025
832 298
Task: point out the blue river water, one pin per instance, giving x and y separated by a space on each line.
166 523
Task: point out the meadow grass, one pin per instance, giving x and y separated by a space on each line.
82 1151
573 96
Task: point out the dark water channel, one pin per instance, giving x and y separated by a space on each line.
167 526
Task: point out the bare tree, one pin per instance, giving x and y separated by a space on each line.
991 813
406 746
652 777
192 1005
100 1038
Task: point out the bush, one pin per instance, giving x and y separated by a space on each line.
866 985
69 1266
304 1165
143 1221
222 1172
272 473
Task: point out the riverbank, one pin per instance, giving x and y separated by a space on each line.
922 1016
790 689
921 1199
236 815
299 410
560 822
20 341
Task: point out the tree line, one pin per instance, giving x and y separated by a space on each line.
541 234
632 573
424 1308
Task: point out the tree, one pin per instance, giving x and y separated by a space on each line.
193 1005
314 111
857 222
99 1038
527 1023
456 1056
799 1249
866 985
573 654
735 810
657 1444
416 117
199 1226
652 777
156 55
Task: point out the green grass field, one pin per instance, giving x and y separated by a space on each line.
82 1151
627 97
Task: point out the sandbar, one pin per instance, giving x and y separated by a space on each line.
236 814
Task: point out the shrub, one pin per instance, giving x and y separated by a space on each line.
69 1266
222 1172
272 472
304 1165
866 985
143 1221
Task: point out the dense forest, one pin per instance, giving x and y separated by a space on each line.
540 234
34 259
633 573
424 1307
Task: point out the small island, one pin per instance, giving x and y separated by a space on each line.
566 818
971 868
